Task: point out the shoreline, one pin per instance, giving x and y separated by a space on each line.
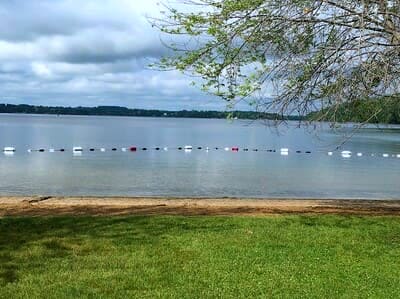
146 206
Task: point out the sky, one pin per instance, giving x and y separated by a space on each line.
89 53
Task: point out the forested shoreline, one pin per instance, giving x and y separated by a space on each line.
123 111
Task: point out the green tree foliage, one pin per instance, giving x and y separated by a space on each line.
309 55
123 111
383 110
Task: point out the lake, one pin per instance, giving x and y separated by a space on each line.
196 173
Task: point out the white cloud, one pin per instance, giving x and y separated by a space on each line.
41 70
74 52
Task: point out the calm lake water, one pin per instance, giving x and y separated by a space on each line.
216 173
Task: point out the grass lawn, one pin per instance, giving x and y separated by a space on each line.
200 257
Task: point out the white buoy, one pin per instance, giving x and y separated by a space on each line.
346 154
284 151
207 149
124 149
29 150
227 149
385 155
359 154
330 154
398 156
77 149
188 147
9 149
166 149
102 149
51 150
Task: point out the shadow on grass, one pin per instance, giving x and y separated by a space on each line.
28 240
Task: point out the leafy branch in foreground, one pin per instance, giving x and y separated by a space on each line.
306 55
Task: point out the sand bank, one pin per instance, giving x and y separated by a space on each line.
98 206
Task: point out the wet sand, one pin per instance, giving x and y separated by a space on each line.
102 206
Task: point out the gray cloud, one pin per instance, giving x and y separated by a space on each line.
94 52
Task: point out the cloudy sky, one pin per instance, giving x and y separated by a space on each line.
89 53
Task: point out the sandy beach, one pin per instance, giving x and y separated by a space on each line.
101 206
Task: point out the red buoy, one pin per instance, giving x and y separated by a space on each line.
133 149
235 149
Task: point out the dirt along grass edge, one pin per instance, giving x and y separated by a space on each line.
103 206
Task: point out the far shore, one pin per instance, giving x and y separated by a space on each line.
114 206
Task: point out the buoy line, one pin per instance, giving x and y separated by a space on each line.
285 151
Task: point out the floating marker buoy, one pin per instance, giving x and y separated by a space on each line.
284 152
188 148
199 148
298 152
133 149
144 149
103 149
398 155
9 149
114 149
330 153
62 150
157 148
245 149
166 149
42 150
77 149
29 151
346 154
385 155
124 149
235 149
359 154
227 149
180 148
308 152
216 148
92 149
207 148
51 150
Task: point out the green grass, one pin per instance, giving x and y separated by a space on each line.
200 257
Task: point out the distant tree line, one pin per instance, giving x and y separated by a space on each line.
123 111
